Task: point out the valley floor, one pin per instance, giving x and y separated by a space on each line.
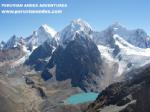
31 94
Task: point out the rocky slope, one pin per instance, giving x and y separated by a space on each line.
25 91
127 96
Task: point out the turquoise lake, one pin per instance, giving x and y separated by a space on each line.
81 98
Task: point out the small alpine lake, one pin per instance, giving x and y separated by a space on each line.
81 98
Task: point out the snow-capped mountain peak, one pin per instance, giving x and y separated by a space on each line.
47 29
136 37
42 34
45 32
80 24
77 26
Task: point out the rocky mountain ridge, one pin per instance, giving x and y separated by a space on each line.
126 96
97 56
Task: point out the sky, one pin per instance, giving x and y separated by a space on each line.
98 13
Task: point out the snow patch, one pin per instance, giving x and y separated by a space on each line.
129 49
105 52
49 30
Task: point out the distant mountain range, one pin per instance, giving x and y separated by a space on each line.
91 59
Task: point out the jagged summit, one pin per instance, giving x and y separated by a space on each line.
76 26
39 36
80 23
47 29
137 37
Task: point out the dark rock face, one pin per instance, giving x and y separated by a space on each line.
143 100
38 58
116 50
79 61
46 74
117 94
